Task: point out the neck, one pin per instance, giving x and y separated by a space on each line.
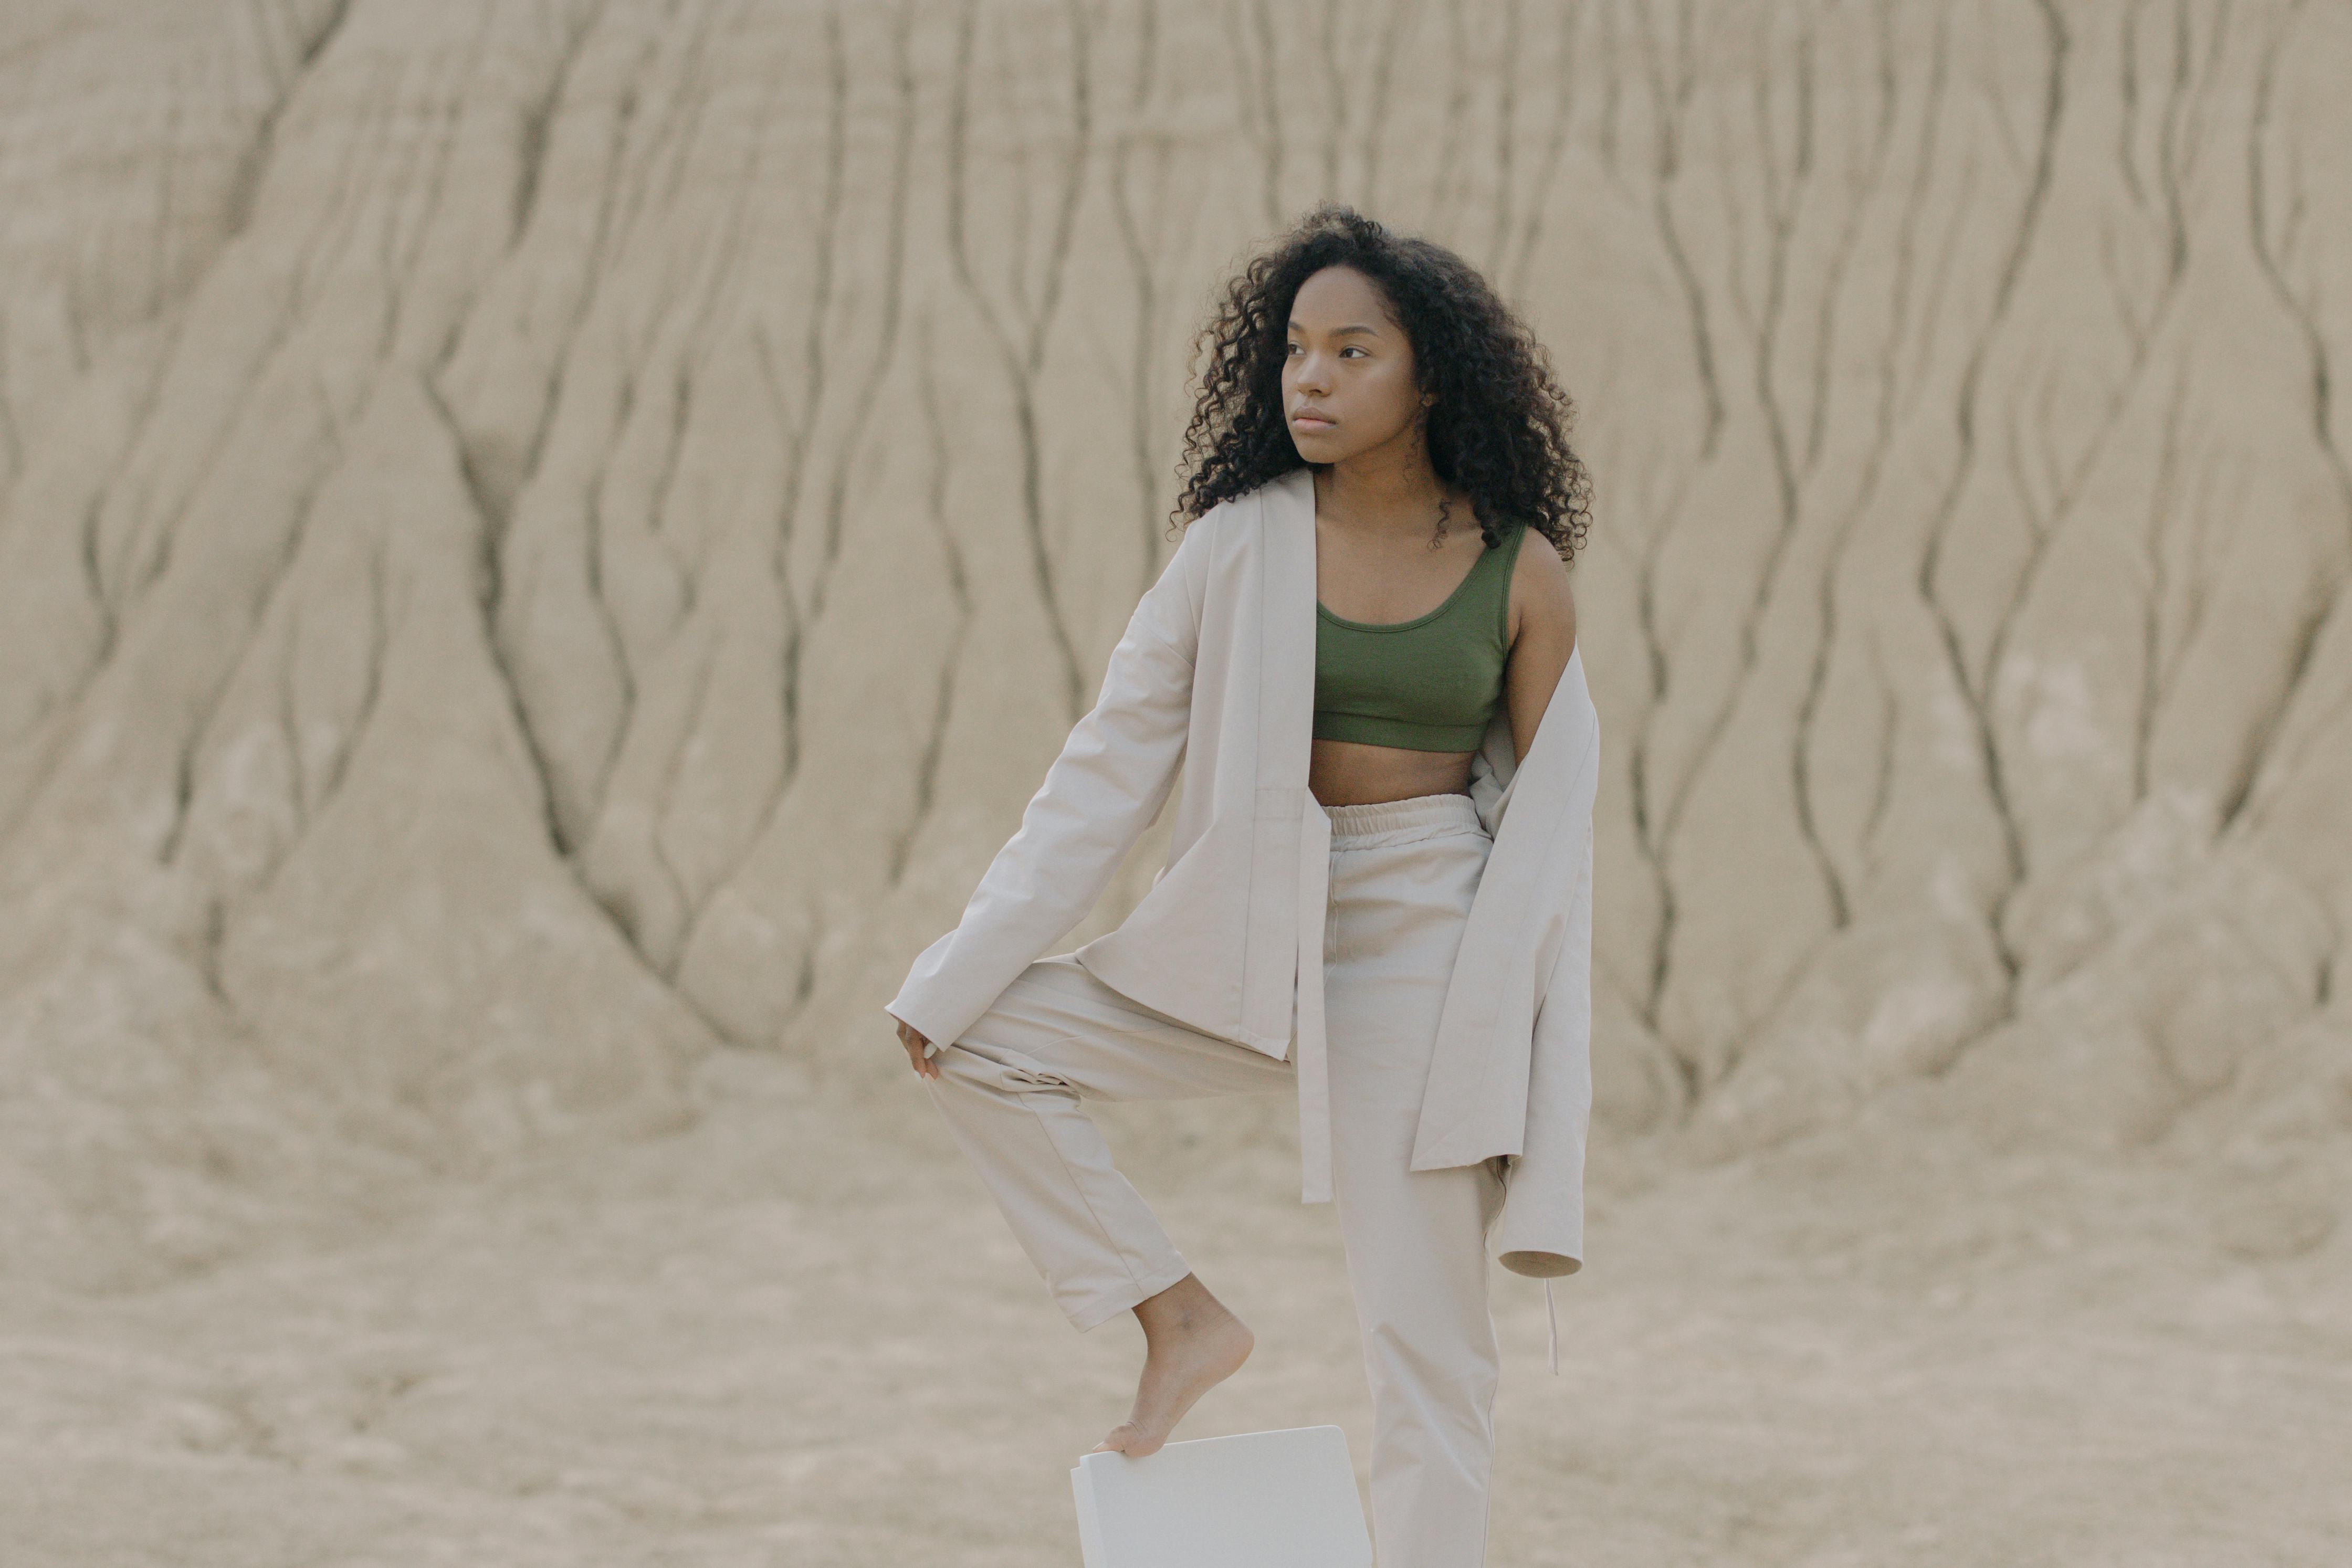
1374 493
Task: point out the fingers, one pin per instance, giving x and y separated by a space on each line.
924 1066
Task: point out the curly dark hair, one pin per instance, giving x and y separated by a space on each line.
1498 429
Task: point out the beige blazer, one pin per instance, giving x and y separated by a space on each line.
1216 675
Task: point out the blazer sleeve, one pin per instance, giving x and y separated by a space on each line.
1540 1231
1113 776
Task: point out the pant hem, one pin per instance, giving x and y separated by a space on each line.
1103 1309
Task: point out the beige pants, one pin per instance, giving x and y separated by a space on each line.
1402 873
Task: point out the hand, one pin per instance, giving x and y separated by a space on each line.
912 1039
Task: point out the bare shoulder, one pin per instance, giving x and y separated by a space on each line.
1543 637
1543 606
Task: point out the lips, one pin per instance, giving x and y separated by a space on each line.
1312 417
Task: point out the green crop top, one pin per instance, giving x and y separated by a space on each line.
1430 684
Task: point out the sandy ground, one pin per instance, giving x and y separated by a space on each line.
800 1335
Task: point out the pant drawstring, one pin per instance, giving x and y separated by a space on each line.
1553 1324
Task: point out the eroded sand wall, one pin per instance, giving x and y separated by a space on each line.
541 542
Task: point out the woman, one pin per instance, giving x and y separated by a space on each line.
1384 370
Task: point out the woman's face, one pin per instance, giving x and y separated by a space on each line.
1348 361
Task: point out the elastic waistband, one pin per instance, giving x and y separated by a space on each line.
1403 822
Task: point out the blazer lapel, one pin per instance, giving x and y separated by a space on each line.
1288 814
1286 632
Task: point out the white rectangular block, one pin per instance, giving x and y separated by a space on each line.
1256 1499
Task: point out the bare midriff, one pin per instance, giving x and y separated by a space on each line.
1354 773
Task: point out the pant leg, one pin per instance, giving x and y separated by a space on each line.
1401 881
1010 1089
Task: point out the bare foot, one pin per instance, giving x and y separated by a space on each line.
1192 1343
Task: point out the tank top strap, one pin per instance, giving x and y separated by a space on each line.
1499 585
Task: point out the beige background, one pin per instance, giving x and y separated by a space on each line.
542 546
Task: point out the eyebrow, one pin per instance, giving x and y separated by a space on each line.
1340 331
